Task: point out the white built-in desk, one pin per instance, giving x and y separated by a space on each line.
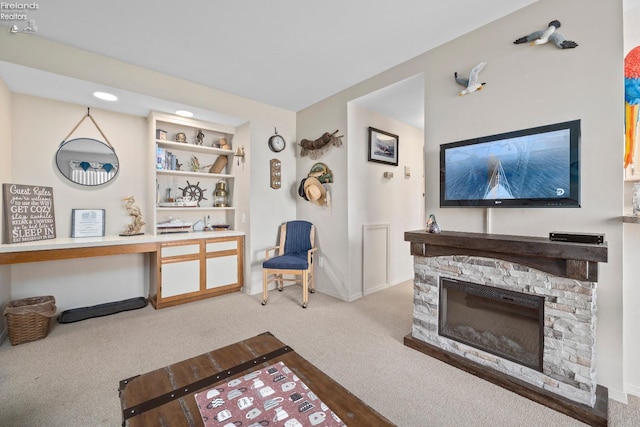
190 260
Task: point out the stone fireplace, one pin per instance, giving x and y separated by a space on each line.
519 308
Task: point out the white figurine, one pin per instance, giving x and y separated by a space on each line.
137 223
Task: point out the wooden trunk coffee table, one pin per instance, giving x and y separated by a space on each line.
165 397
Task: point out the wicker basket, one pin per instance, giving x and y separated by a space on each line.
28 319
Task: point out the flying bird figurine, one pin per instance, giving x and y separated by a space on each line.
471 84
549 35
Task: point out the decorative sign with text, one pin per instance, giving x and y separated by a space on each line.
28 213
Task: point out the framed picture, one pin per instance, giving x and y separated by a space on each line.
87 222
28 213
383 147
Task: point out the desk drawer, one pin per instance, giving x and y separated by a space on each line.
180 250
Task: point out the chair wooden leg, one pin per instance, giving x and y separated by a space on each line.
280 282
305 290
265 295
313 280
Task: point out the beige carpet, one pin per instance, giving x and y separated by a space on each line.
71 377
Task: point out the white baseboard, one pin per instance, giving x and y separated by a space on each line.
376 289
341 297
253 291
633 390
618 395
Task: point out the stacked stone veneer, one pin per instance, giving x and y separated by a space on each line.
569 362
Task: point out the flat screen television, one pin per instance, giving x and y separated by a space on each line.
536 167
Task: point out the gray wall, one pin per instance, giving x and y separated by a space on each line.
529 86
526 86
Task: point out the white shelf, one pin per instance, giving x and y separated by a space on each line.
198 174
184 146
176 180
191 209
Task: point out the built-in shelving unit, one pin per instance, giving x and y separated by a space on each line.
183 170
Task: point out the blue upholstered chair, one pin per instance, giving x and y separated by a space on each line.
294 258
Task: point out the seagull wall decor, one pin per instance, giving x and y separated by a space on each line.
549 35
471 84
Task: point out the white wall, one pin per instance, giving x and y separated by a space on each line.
631 235
529 86
263 208
333 237
359 195
5 174
375 199
39 126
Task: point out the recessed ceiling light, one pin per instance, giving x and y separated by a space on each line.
105 96
184 113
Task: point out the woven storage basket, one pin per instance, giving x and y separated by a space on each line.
28 319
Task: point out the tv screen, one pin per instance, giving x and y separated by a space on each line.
536 167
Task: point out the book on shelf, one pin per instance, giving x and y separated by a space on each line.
166 160
173 226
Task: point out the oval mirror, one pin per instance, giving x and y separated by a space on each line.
87 161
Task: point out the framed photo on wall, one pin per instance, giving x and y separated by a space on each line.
383 147
87 222
28 213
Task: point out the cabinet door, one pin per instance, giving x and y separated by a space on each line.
179 278
222 271
222 263
180 269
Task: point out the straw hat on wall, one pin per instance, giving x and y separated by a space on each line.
315 191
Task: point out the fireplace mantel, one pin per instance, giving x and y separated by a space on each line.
572 260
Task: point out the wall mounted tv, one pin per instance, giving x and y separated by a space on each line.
536 167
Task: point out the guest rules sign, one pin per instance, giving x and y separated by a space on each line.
28 213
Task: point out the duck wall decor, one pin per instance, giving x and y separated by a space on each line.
432 225
471 84
549 35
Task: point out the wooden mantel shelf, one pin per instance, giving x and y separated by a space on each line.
573 260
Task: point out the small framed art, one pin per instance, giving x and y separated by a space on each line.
383 147
87 222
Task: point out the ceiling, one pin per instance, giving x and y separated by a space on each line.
286 53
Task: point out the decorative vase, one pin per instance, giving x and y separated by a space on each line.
635 201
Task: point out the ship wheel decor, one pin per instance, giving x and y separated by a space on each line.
193 192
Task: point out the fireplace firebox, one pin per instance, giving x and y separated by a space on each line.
505 323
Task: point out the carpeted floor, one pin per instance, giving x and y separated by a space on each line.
71 377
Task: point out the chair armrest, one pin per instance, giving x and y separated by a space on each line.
269 249
310 254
